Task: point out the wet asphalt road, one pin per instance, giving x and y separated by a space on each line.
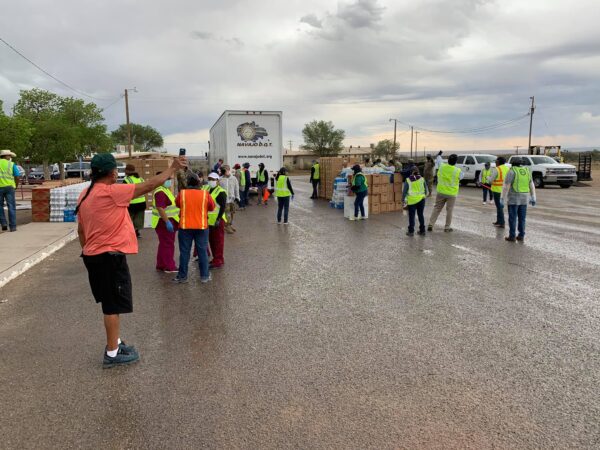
324 334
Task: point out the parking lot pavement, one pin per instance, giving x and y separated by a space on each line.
324 334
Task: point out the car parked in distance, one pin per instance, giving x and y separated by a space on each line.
78 170
546 170
36 175
472 165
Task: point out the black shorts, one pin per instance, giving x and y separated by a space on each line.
110 282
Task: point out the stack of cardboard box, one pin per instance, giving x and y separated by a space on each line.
329 169
385 193
147 168
40 204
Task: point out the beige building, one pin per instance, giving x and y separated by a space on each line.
302 160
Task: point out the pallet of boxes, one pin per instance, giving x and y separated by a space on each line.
385 193
330 169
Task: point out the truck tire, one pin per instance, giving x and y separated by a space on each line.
538 181
565 186
464 182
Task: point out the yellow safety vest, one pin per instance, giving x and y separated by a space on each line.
7 178
485 174
212 215
260 176
281 187
416 191
356 177
499 181
317 174
243 177
172 211
522 179
135 180
448 180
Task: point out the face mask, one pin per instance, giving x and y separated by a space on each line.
167 184
212 183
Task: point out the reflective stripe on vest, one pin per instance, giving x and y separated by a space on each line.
260 176
135 180
212 215
356 176
522 179
448 180
499 181
172 211
317 174
281 187
416 191
185 212
7 178
243 178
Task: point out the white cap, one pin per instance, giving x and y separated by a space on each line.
7 153
214 176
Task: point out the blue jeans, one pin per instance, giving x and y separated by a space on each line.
516 213
358 203
417 209
186 237
244 196
499 210
487 193
283 204
8 193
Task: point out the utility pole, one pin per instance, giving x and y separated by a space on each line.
290 142
395 124
127 118
416 144
531 122
517 147
411 140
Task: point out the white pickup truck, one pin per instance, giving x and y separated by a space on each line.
545 170
472 165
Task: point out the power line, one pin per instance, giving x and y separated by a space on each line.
52 76
472 130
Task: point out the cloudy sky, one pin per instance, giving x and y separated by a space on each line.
444 65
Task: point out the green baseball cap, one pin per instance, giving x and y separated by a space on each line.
104 162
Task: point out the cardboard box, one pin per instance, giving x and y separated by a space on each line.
387 198
398 197
389 189
369 180
374 209
398 188
397 206
398 178
374 199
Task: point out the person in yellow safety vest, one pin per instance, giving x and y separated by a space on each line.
137 206
165 221
216 221
413 195
283 192
262 182
9 180
482 181
448 182
245 184
360 187
517 192
496 179
315 178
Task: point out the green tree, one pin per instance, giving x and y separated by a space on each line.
322 138
144 137
63 127
15 133
385 149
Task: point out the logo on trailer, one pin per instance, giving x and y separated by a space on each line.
251 132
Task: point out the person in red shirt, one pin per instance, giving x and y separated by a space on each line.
106 235
194 205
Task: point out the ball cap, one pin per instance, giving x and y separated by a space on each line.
214 176
129 168
104 162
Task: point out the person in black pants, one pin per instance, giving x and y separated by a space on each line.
315 178
283 192
413 195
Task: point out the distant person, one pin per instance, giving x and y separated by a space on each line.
165 221
283 192
413 195
486 172
9 181
368 162
438 160
217 166
448 183
195 204
496 179
216 221
232 187
407 170
262 182
360 187
106 235
315 178
518 190
137 207
245 184
428 173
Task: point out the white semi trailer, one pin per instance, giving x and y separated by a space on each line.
248 136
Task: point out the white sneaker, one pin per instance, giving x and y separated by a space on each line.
362 218
484 203
286 223
352 218
278 223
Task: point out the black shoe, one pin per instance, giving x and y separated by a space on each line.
127 348
408 233
421 233
509 239
13 229
448 230
499 225
4 228
122 358
494 223
520 238
430 228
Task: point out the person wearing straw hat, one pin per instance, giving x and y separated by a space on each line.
9 180
137 207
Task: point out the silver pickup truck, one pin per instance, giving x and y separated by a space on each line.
545 170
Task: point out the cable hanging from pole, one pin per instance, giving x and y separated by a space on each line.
475 130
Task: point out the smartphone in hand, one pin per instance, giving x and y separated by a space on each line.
182 152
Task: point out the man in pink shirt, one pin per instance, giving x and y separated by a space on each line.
106 235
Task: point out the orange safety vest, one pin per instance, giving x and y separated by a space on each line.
193 209
499 181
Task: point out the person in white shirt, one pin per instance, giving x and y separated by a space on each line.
231 184
438 160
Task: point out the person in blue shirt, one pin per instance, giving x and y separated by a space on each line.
9 180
